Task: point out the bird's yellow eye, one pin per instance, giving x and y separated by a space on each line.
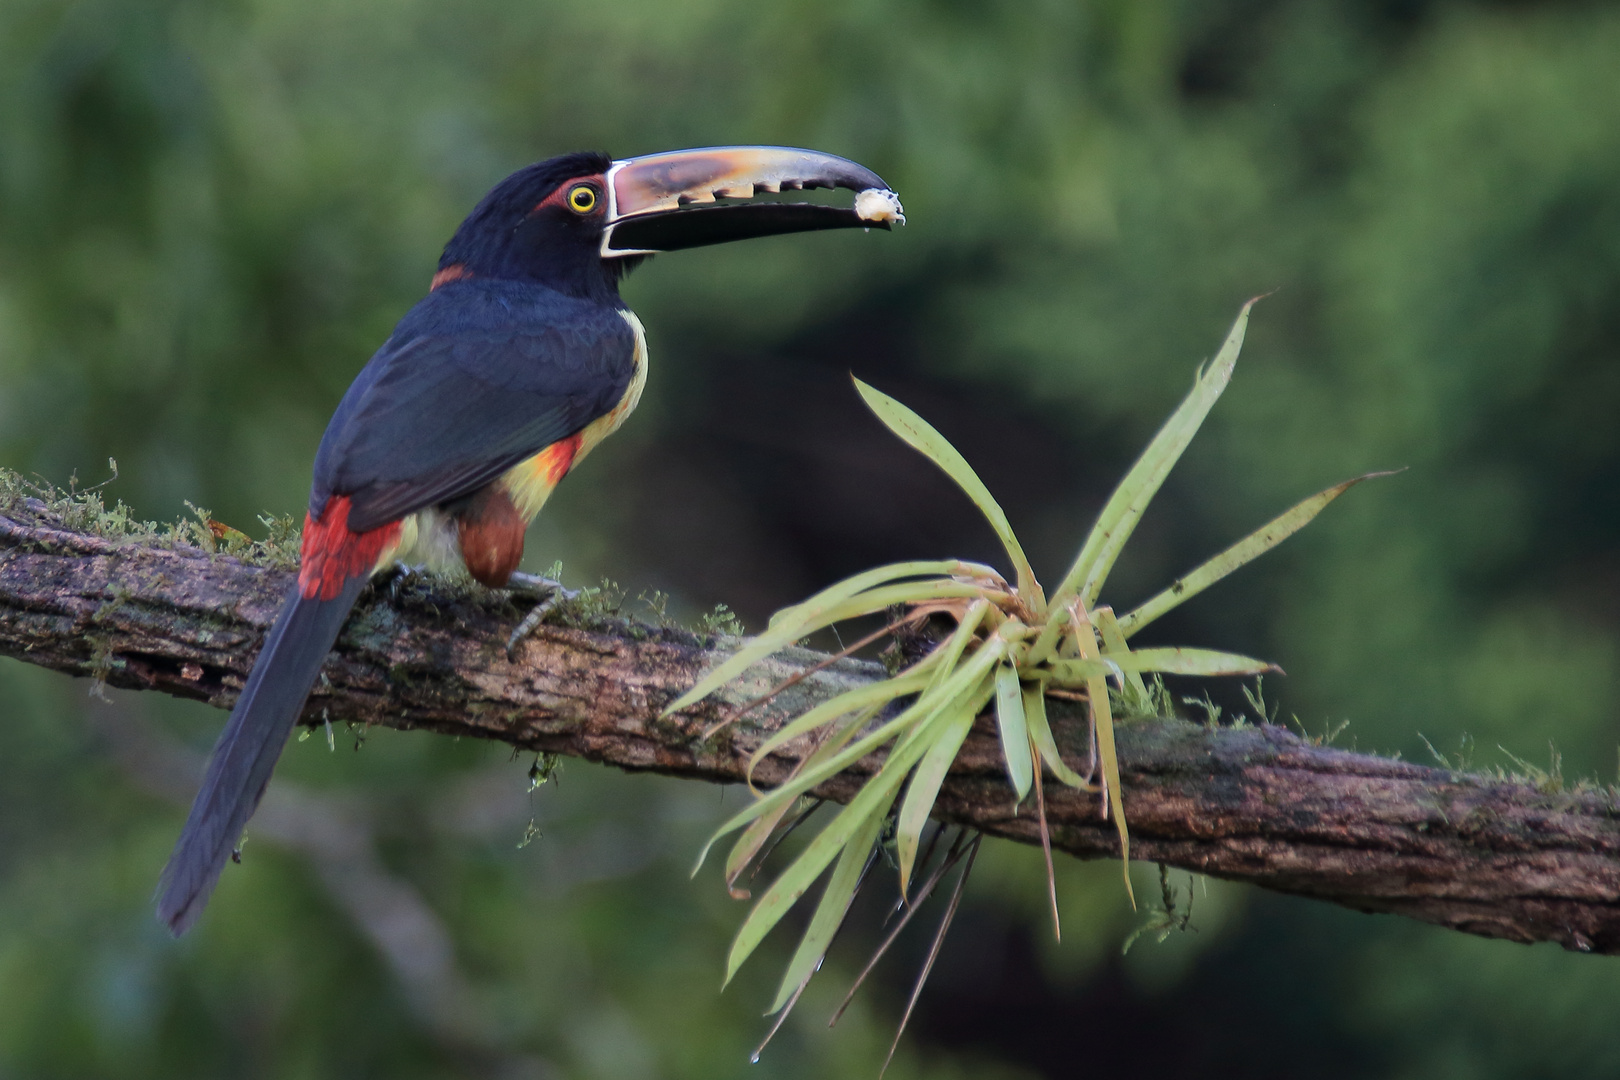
582 199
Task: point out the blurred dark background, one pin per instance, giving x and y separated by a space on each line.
211 213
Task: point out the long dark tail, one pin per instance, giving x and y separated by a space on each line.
246 754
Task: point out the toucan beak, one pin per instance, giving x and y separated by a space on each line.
665 202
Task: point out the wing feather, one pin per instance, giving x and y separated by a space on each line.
451 402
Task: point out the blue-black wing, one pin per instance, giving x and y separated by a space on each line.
478 377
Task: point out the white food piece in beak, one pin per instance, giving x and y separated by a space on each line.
877 204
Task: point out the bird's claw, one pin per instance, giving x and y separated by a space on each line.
550 594
403 574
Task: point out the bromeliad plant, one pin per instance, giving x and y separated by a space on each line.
1012 646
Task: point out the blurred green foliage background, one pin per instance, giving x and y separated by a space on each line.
211 213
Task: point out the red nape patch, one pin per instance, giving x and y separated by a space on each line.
333 555
453 272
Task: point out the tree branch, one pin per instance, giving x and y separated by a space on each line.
1478 854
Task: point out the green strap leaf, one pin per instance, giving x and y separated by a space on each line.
831 908
751 841
1246 550
1186 661
937 696
920 711
1169 660
754 837
946 736
1015 750
957 643
970 680
882 575
1079 673
1040 734
1114 647
1124 508
1103 724
862 697
872 800
784 634
1046 642
921 436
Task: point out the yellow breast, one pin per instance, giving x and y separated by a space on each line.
603 426
531 482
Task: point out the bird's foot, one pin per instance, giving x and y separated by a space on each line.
401 576
550 594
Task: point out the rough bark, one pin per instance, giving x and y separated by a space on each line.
1256 804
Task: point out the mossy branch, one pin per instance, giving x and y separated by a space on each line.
150 609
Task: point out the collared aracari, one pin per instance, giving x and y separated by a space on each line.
520 359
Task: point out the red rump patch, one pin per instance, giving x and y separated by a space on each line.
333 555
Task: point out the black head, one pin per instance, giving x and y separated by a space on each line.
543 223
